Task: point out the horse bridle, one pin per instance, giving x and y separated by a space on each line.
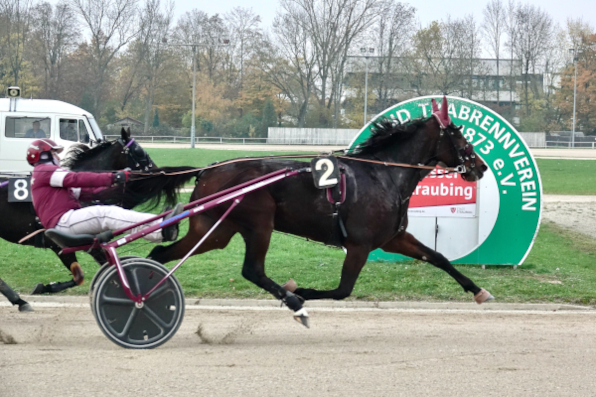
136 154
465 153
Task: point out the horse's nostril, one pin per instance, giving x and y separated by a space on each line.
484 168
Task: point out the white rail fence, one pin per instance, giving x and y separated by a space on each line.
343 137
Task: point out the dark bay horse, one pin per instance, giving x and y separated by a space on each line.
374 212
19 219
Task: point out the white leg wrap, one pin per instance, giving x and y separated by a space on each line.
300 313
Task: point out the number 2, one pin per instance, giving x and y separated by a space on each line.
324 180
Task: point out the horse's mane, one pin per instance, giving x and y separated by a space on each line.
150 189
385 132
80 152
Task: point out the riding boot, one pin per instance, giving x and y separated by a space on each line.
170 233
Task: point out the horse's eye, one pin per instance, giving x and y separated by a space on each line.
468 149
139 151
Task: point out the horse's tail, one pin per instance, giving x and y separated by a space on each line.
152 188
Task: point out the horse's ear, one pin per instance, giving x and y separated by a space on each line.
442 115
445 112
434 105
125 133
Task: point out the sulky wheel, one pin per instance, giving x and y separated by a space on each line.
138 326
100 273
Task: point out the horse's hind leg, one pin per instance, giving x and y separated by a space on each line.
406 244
257 243
14 298
70 262
199 226
353 264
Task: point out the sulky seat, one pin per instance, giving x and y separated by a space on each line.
76 240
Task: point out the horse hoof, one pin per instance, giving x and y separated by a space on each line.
290 285
483 296
26 307
77 273
302 317
38 289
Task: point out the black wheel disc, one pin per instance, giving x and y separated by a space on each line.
138 326
100 273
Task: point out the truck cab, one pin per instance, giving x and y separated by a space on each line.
24 120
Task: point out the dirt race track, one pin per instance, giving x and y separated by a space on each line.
60 351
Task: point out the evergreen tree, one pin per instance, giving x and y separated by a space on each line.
156 119
269 118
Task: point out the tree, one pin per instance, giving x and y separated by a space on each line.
208 33
392 32
245 29
155 119
269 118
332 27
54 37
512 30
112 25
534 35
289 63
444 58
15 31
586 88
493 29
152 53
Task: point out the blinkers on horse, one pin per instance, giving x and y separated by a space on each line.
137 156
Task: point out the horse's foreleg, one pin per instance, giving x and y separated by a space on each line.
14 298
406 244
353 264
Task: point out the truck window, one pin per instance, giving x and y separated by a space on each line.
83 133
68 130
27 127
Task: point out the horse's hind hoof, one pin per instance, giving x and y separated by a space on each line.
26 307
483 296
302 317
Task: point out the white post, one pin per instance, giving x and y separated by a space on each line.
365 90
194 79
574 94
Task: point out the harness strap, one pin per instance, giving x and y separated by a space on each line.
342 191
388 164
457 169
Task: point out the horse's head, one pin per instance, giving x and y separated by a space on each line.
136 157
113 155
453 150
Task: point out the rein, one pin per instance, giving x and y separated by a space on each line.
459 169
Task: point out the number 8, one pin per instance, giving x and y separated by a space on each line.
20 189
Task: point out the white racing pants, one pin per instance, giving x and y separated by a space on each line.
100 218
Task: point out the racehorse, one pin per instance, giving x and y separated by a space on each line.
381 175
19 219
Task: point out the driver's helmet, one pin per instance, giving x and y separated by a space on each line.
37 147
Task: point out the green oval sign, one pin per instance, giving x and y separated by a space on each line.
513 182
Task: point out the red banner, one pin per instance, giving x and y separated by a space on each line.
443 194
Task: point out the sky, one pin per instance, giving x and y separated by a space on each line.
427 11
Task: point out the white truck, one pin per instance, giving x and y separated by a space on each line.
24 120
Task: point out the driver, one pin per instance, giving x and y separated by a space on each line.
56 193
